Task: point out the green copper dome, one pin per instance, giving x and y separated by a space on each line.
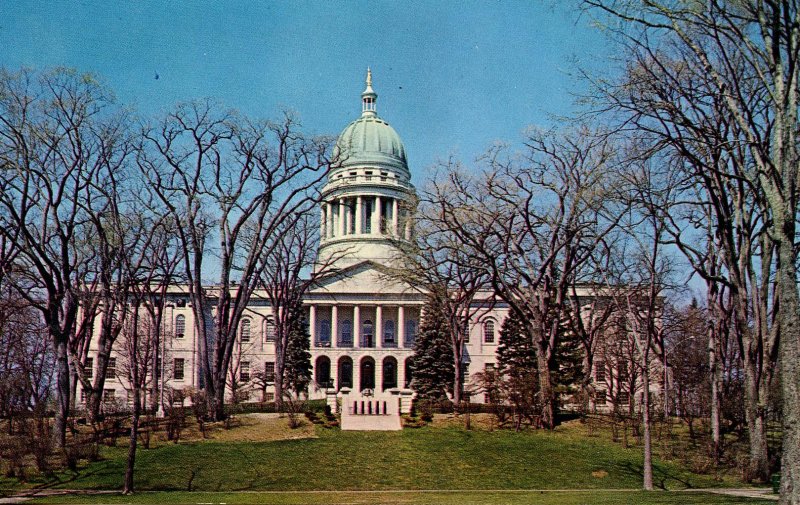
369 140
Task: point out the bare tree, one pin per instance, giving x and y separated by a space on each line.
58 134
678 109
533 223
749 51
289 269
436 263
233 182
26 360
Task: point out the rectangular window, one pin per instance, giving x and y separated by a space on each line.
244 330
270 397
269 371
600 398
111 369
465 372
600 371
488 332
83 396
411 332
180 325
244 371
177 369
270 331
465 329
622 371
109 395
88 368
623 398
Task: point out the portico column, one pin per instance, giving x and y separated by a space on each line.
359 215
312 323
378 326
334 326
323 232
356 326
394 217
341 217
376 217
401 326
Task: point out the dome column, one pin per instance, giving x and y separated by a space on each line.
376 216
341 218
359 215
394 217
329 220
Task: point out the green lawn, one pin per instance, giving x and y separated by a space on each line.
427 458
417 498
262 462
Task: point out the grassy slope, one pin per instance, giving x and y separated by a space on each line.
427 458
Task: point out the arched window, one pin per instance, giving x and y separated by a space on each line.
411 332
389 373
367 339
388 332
180 326
322 371
269 333
244 330
346 332
325 332
488 331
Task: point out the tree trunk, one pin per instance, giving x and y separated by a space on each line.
789 352
714 371
758 465
280 367
62 395
647 469
458 379
545 390
218 400
127 487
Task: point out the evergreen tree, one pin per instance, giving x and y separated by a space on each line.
432 364
297 369
567 368
516 355
516 361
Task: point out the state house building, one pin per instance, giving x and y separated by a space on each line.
362 324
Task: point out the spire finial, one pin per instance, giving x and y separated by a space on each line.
368 97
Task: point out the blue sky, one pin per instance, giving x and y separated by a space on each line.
452 77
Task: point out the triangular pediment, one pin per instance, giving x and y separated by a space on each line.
363 278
